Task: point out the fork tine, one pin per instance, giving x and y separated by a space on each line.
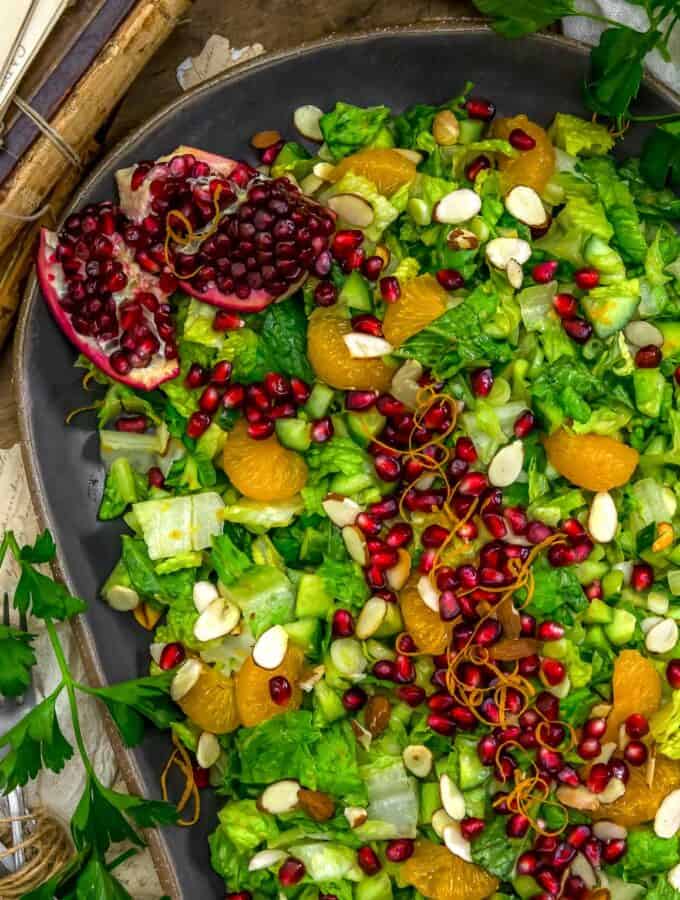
5 609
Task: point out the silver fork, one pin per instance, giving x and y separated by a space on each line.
12 710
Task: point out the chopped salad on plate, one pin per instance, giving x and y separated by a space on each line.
392 416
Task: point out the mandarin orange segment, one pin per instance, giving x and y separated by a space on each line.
437 873
211 702
387 169
422 301
332 361
592 461
636 688
253 700
422 623
531 167
262 470
640 802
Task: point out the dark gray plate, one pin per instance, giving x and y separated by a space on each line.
537 76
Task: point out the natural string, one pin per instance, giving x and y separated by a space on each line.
47 848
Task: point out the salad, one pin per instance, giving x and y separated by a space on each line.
394 425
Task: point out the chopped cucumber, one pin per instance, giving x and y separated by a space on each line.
430 801
472 772
356 293
526 887
622 627
392 623
364 426
612 583
351 484
377 887
671 337
595 637
470 130
306 633
312 599
649 391
598 613
328 705
319 400
296 434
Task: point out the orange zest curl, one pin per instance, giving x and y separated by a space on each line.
190 235
180 758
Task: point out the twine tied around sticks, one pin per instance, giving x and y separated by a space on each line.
47 848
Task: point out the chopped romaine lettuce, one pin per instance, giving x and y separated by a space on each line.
578 136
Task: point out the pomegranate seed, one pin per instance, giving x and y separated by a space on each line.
368 861
450 279
676 375
544 272
527 625
227 321
481 381
635 753
389 406
478 164
578 329
276 385
619 769
566 305
473 484
537 532
280 690
239 895
441 724
520 140
196 376
367 324
399 535
613 850
345 241
300 390
592 850
549 760
426 561
411 694
434 536
449 606
595 728
488 633
221 372
467 532
480 108
404 670
210 399
384 557
132 424
598 778
524 424
325 293
201 777
198 423
372 267
343 623
637 725
471 827
517 826
642 577
155 477
495 525
369 524
548 705
553 671
529 666
357 401
550 631
504 768
465 450
375 577
293 870
384 669
260 431
589 748
549 881
587 278
233 396
516 519
673 673
390 290
648 357
399 850
171 656
354 699
487 748
322 430
387 468
563 855
527 863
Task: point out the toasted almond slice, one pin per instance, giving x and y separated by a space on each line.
218 619
562 689
643 334
428 593
515 274
122 598
341 510
452 798
462 239
609 831
363 735
649 622
615 789
603 519
578 798
445 128
505 467
440 820
306 120
280 797
455 842
270 648
311 678
459 206
412 155
673 876
207 750
264 139
323 170
607 750
156 650
501 250
662 637
418 760
204 593
352 209
265 859
397 576
526 206
185 678
405 383
371 617
355 543
582 868
366 346
355 815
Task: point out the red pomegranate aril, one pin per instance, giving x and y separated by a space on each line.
520 140
201 777
399 535
589 748
527 863
434 536
467 532
471 827
369 524
578 329
171 656
566 305
354 699
280 690
276 385
353 260
524 424
404 670
449 606
384 669
473 484
529 666
427 560
441 724
210 399
495 525
676 375
400 849
198 424
384 558
259 431
587 278
527 625
553 671
504 768
595 728
673 673
325 293
637 725
550 882
372 267
592 850
221 372
613 850
300 390
635 753
357 401
480 108
516 519
619 769
345 241
390 290
450 279
568 775
293 870
227 321
648 357
488 633
343 623
641 577
549 631
411 694
389 406
489 710
233 396
537 532
549 760
487 747
598 778
517 826
481 381
240 895
322 430
368 860
132 424
465 450
446 578
563 855
155 477
479 164
367 324
544 272
464 718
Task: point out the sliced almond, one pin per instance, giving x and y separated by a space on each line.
363 735
405 383
397 576
355 815
560 690
643 334
455 842
607 750
265 859
452 797
505 467
662 637
440 820
264 139
324 170
310 184
312 677
673 876
603 519
614 790
156 650
458 206
207 750
609 831
280 797
341 510
462 239
355 543
501 250
582 868
352 209
411 155
445 128
122 598
270 648
306 120
578 798
371 617
219 619
366 346
526 206
649 622
204 593
424 483
428 593
515 274
418 760
623 740
185 678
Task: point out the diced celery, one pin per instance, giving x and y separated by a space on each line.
319 400
649 390
622 627
296 434
598 613
612 583
328 704
430 801
312 597
674 582
377 887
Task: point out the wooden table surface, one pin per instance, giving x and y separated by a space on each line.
276 24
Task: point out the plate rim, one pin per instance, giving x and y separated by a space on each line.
85 639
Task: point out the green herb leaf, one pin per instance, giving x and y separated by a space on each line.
44 598
227 559
660 159
616 69
17 658
97 883
131 702
43 550
523 16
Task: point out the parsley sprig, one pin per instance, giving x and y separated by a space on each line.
616 68
103 816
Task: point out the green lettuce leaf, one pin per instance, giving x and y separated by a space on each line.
557 594
647 855
384 213
348 128
579 136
